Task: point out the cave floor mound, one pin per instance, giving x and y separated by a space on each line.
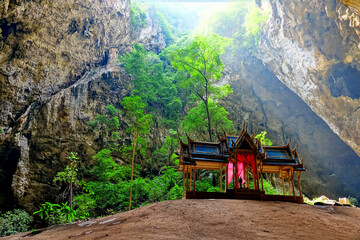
215 219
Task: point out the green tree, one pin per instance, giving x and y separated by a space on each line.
139 128
196 119
69 175
201 60
153 82
166 154
263 139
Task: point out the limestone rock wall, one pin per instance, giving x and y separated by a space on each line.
313 47
57 72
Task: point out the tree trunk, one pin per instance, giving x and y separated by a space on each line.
209 121
71 185
132 165
71 194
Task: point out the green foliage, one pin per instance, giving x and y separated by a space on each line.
254 20
69 175
138 17
353 201
46 210
110 191
166 154
84 205
108 127
15 221
196 119
166 28
106 169
200 59
204 184
166 185
263 140
70 172
242 22
58 213
110 195
153 82
270 189
225 22
139 125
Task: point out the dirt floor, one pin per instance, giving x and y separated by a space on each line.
215 219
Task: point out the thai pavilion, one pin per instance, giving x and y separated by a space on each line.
236 157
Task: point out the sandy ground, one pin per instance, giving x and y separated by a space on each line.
215 219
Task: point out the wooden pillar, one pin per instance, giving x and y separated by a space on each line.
298 175
226 177
234 176
187 179
262 179
183 181
194 176
283 186
247 177
190 179
288 179
221 171
292 181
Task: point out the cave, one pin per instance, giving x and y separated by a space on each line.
8 167
344 81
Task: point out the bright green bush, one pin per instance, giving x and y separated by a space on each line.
270 189
353 201
15 221
55 214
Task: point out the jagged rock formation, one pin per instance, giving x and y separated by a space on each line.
353 4
56 73
265 103
313 47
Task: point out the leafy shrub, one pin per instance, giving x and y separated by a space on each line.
353 201
58 213
202 185
15 221
270 189
263 139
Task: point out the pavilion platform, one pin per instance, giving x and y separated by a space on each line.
248 194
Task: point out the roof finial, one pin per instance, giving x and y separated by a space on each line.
288 144
254 134
189 139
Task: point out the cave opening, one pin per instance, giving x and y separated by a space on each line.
8 166
344 81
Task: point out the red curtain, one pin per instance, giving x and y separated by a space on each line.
242 160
